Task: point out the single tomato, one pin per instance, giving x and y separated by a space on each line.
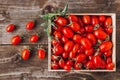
10 27
16 40
30 25
25 54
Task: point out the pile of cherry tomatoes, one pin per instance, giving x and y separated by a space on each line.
17 39
82 42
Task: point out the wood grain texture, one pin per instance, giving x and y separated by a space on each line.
21 11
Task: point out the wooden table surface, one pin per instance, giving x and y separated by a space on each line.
19 12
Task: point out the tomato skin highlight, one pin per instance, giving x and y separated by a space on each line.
80 57
86 43
72 55
73 18
97 61
57 34
58 50
68 32
61 21
67 68
16 40
75 48
41 53
89 52
89 28
95 20
110 66
65 55
69 63
105 46
68 46
64 39
90 65
30 25
100 34
74 26
61 63
10 28
25 54
108 22
77 38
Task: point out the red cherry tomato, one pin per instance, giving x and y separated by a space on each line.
89 52
77 66
108 53
109 60
97 61
105 46
34 38
25 54
69 63
68 46
109 30
108 22
75 48
81 31
65 55
68 32
67 68
81 49
74 26
54 57
73 18
57 35
16 40
61 21
89 28
10 27
92 39
80 57
54 66
30 25
110 66
86 43
61 63
41 53
77 38
103 64
58 50
58 28
90 65
64 39
95 20
100 34
86 19
80 22
72 55
55 42
102 18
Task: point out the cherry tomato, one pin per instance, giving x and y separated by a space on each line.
16 40
103 64
57 34
58 28
41 53
89 52
54 66
105 46
68 46
69 63
72 55
90 65
25 54
74 26
77 66
73 18
80 22
109 60
65 55
54 57
95 20
34 38
108 22
110 66
68 32
97 61
55 42
86 43
58 50
67 68
61 63
77 38
81 31
100 34
61 21
75 48
10 27
30 25
80 57
64 39
109 30
92 39
86 19
108 53
102 18
89 28
81 49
